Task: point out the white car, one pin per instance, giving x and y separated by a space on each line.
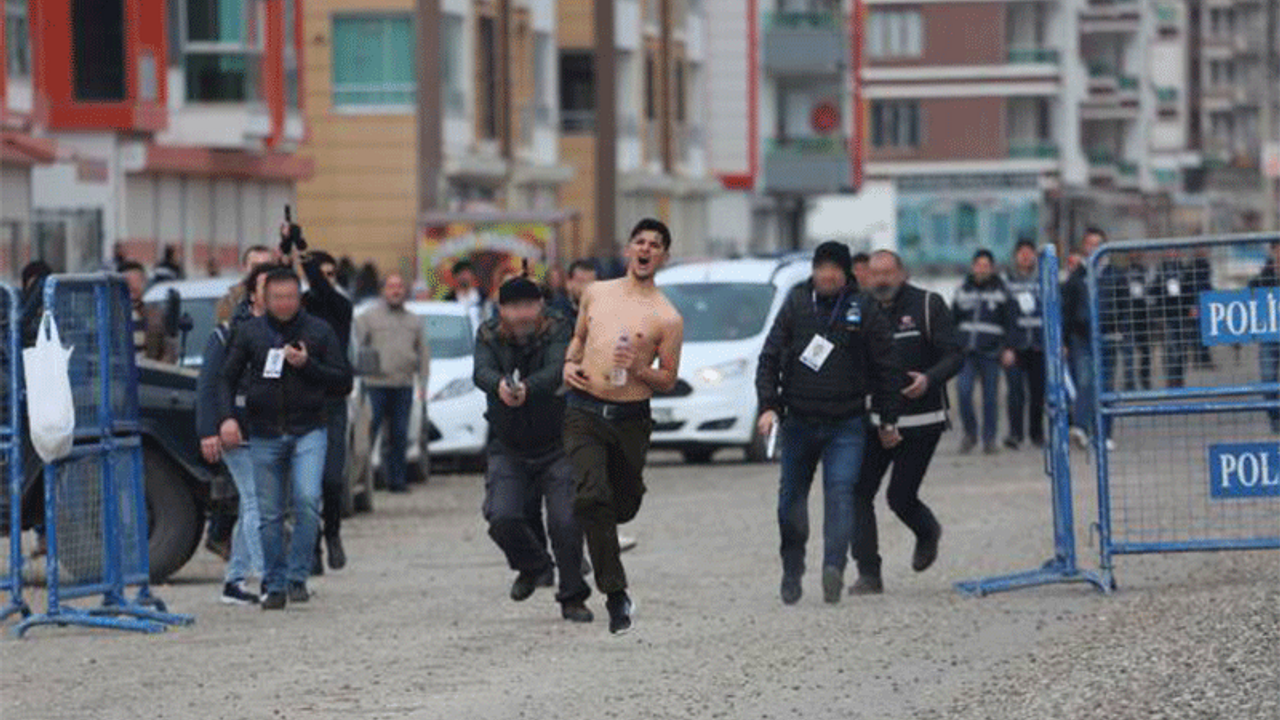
728 307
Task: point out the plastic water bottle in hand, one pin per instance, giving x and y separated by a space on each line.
619 375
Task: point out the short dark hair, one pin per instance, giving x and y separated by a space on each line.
582 264
244 256
1024 242
463 266
250 283
35 270
897 259
280 274
984 253
131 266
1091 230
860 257
654 225
320 257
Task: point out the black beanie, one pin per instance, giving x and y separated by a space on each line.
836 253
517 289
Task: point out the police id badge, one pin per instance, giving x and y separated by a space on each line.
853 316
816 353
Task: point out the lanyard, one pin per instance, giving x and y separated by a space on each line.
834 311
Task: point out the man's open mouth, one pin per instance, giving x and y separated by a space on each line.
644 261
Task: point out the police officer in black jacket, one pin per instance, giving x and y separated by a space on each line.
828 349
1025 379
927 345
1175 299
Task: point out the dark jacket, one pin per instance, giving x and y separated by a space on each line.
293 403
1075 306
1027 310
925 341
535 427
1114 306
325 302
983 316
209 383
862 362
1173 294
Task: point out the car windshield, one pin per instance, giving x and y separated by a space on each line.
450 336
202 311
721 311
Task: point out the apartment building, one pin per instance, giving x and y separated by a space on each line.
500 120
662 122
176 124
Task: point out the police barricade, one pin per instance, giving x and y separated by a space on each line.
1062 567
11 465
1185 339
95 505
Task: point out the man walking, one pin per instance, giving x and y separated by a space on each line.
290 364
519 364
982 315
1075 319
393 349
1025 378
828 349
925 341
623 326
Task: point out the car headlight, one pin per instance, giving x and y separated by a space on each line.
716 374
455 389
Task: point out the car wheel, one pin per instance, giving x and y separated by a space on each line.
174 519
699 455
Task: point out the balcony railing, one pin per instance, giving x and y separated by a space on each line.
1038 149
802 20
577 122
805 146
1099 71
1033 55
1167 94
810 165
1100 156
1164 177
1127 169
1127 82
1166 14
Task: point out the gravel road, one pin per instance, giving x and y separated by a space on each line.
419 626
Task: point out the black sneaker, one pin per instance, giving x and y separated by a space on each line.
832 585
620 609
298 592
526 582
576 612
1012 443
967 444
233 593
867 585
337 556
274 600
791 590
990 449
926 549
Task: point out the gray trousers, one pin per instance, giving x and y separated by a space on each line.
512 480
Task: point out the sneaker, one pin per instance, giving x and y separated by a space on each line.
526 582
832 585
337 556
317 562
968 444
1079 437
926 549
1012 443
990 449
274 600
576 612
298 592
233 593
625 543
867 585
791 590
620 609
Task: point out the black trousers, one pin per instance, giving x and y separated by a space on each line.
1026 387
335 461
910 459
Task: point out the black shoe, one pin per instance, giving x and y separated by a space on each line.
233 593
620 609
990 449
527 582
832 585
1012 443
576 612
926 549
967 444
402 490
298 592
791 590
867 585
337 556
274 601
317 562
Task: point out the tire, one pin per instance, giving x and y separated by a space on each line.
698 455
174 520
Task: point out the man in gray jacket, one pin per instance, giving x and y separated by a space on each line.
392 350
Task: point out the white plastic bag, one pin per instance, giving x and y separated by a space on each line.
51 411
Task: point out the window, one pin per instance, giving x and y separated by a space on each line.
680 92
487 85
98 39
577 92
895 123
650 87
967 224
721 311
16 39
223 50
451 30
373 61
895 34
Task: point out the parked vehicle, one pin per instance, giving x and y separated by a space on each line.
728 307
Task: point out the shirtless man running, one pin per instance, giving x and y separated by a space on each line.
622 326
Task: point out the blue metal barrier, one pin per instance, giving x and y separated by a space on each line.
11 449
95 504
1062 567
1185 336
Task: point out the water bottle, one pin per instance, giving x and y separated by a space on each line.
619 375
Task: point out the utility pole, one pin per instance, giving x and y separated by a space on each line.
1268 125
606 129
429 101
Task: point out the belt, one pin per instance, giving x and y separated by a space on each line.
606 410
920 420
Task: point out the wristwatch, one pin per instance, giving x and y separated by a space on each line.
889 428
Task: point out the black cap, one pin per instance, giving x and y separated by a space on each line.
518 289
836 253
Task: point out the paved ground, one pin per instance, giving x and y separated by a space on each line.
419 625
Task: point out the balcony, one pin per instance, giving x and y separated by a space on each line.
806 166
1020 56
1167 16
1166 95
798 43
1165 177
1121 17
1033 149
577 122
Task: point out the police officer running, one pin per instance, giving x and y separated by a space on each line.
928 347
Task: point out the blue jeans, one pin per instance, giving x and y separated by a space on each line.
1081 357
838 444
246 538
1269 362
988 368
392 405
303 457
